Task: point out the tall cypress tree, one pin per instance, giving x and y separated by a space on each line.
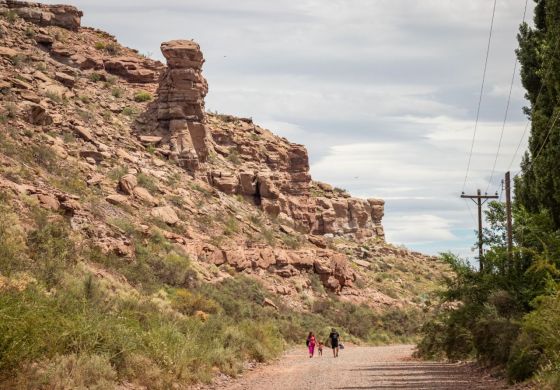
538 188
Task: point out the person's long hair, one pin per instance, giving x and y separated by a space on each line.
309 335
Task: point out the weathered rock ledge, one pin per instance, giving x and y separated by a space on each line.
65 16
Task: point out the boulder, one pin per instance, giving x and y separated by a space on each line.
150 139
44 39
86 61
48 201
64 79
127 183
8 52
83 133
36 114
165 214
145 196
131 69
118 200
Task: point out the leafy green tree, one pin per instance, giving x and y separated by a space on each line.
538 188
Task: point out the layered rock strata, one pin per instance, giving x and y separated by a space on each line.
247 160
274 174
179 108
65 16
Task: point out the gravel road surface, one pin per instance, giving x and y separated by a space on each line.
388 367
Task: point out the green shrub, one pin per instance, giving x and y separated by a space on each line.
538 344
11 16
95 77
112 48
51 250
117 92
71 371
188 303
130 112
12 242
10 110
44 156
292 242
234 156
147 182
493 338
71 184
117 173
142 96
231 226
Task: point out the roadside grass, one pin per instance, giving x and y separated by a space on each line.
64 326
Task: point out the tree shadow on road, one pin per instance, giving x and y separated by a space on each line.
429 376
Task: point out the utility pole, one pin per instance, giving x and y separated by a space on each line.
479 200
508 215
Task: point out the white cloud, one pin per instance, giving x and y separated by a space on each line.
418 229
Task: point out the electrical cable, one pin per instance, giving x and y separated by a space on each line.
481 94
507 109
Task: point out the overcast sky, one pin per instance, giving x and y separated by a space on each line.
382 92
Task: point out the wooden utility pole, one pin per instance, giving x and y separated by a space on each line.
479 200
508 216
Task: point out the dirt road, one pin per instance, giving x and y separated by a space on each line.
389 367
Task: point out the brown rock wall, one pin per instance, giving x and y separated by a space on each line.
65 16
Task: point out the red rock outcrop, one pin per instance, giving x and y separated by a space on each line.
65 16
179 108
131 69
339 214
247 160
332 267
274 174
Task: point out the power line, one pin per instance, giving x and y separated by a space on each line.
503 126
481 94
470 211
507 108
519 144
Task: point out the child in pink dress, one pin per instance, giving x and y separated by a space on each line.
311 341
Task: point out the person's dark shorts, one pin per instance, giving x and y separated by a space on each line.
334 345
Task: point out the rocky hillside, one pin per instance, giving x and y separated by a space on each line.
119 148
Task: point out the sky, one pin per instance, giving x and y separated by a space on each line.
383 93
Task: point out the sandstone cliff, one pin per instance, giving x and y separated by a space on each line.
119 143
238 157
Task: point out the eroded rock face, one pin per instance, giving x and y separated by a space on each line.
274 174
247 160
332 267
339 215
180 104
131 69
64 16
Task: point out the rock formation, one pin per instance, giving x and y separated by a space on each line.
77 147
65 16
177 117
274 174
268 171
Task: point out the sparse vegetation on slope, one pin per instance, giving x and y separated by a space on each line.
119 267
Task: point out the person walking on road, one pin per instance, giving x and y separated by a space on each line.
311 341
334 339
